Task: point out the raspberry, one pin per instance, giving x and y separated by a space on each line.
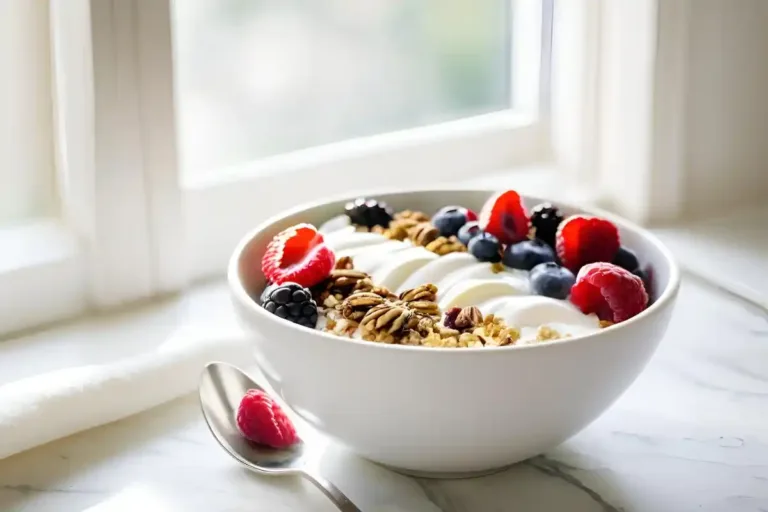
582 239
298 254
262 421
504 216
609 291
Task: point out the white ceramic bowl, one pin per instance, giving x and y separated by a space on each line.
447 411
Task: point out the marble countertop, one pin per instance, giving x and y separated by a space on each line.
691 434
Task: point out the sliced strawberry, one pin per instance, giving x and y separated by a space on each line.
471 216
583 239
505 217
298 254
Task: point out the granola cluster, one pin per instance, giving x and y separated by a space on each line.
352 301
416 227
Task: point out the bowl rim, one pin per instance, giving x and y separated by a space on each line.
237 290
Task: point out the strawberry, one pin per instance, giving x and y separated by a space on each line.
298 254
609 291
262 421
471 216
505 217
582 239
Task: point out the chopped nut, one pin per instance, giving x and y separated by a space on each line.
423 292
497 267
344 263
469 317
422 299
412 215
387 317
340 283
442 246
446 332
605 323
423 233
330 323
546 333
469 340
330 301
358 304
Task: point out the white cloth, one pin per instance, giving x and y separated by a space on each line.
39 409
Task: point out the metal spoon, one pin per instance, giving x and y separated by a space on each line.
222 386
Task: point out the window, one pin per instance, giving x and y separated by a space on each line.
26 142
299 74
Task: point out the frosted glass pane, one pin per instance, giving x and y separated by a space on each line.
258 78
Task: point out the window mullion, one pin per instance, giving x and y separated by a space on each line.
133 179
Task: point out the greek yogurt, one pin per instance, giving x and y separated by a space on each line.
461 281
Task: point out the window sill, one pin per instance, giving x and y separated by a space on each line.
41 275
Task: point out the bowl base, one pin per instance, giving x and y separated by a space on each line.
458 475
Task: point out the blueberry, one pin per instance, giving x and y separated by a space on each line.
468 231
527 254
485 247
626 259
450 219
551 280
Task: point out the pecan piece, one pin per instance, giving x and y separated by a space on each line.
423 233
442 245
468 317
358 304
387 317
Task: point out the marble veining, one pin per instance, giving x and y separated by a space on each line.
691 434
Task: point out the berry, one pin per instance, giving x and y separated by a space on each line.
263 421
551 280
265 294
504 216
545 219
527 254
450 219
450 317
610 291
485 247
626 259
298 254
582 239
468 231
369 212
471 216
292 302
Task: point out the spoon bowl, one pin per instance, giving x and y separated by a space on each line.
222 386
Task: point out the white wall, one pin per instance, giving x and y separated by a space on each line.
726 112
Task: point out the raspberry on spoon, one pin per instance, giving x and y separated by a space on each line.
263 421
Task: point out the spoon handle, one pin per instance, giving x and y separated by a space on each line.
334 494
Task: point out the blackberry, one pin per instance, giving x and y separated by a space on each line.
292 302
369 212
546 218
